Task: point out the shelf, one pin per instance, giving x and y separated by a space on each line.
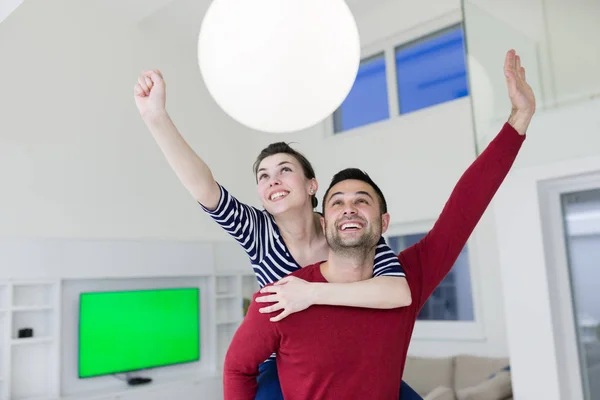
229 322
249 286
225 296
225 333
229 309
27 364
30 365
3 298
32 295
32 308
226 285
4 318
32 340
39 320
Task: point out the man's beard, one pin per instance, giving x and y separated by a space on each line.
357 246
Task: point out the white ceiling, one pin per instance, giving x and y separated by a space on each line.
182 15
185 16
7 7
133 10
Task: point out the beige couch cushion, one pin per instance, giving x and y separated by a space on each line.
472 370
426 374
497 388
441 393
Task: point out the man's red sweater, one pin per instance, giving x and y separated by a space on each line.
332 353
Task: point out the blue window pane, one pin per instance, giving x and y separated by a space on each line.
452 300
431 72
367 101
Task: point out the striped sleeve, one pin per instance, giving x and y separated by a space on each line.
386 262
246 224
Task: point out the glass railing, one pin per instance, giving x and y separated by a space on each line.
558 45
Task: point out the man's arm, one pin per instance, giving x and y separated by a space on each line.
429 261
254 341
437 252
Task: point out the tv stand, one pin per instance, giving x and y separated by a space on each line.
138 381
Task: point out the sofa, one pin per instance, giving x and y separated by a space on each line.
463 377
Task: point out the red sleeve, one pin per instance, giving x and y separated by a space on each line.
254 341
428 262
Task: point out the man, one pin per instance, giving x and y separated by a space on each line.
349 353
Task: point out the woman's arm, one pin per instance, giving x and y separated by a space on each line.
387 289
292 294
239 220
383 292
194 174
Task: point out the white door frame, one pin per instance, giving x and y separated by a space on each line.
559 281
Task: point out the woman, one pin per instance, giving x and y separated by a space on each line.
284 237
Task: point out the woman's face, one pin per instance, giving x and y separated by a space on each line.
282 185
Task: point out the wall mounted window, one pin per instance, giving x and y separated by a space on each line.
367 101
428 71
452 300
431 70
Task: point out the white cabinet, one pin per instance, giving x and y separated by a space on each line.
234 291
4 341
29 365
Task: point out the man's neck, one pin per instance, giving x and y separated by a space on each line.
348 266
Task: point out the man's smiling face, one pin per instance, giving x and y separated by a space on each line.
352 216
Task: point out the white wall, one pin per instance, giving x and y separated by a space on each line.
387 18
561 143
557 41
75 157
397 152
86 193
573 32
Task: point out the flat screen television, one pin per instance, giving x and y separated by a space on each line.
125 331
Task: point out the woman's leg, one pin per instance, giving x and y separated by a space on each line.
408 393
268 382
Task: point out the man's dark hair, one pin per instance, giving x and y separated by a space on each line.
284 148
358 175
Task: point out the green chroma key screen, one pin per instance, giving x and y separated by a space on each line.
132 330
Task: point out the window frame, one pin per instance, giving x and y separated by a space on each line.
388 45
425 38
335 115
448 330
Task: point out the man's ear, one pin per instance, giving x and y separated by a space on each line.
385 223
322 219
